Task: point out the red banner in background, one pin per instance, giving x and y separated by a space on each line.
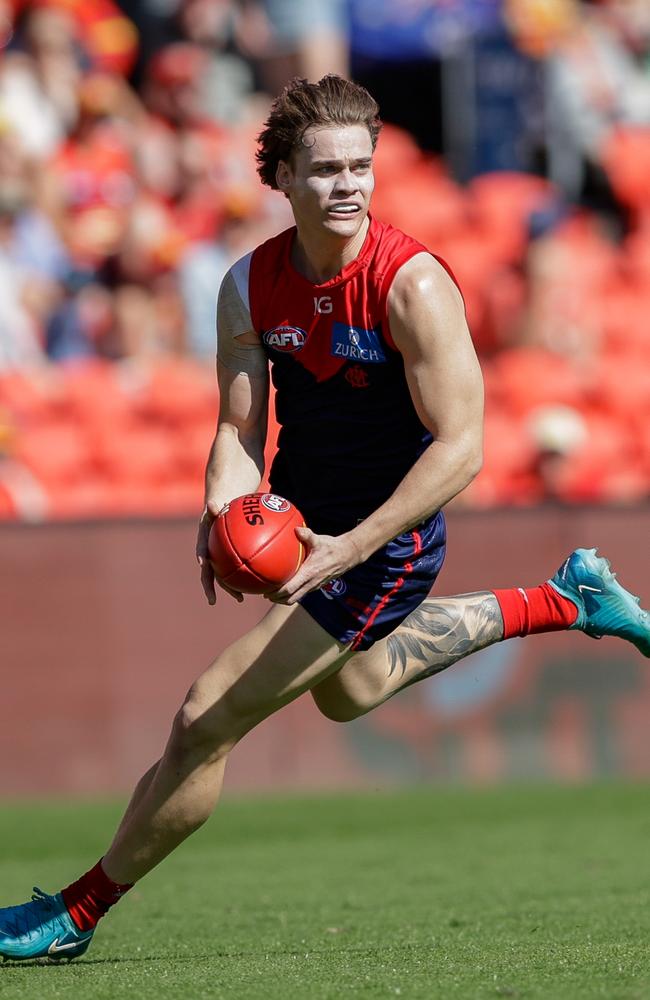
104 627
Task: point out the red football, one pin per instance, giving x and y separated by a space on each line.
253 545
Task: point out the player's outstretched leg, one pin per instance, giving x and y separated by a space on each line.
604 607
284 655
584 594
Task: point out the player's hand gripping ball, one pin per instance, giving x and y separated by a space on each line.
253 546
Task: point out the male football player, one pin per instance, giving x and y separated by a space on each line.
379 399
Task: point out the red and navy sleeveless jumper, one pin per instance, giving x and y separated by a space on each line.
349 432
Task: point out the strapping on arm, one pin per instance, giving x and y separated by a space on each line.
233 322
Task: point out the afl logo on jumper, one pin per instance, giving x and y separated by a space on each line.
334 588
356 344
285 338
275 503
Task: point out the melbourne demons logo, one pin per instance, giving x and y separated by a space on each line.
285 338
357 377
275 503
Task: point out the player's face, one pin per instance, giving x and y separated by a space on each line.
329 180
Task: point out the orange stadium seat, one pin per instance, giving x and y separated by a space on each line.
644 452
424 202
500 488
508 475
624 388
622 313
477 261
508 447
501 193
395 146
193 448
637 256
177 497
7 504
31 396
91 393
526 377
184 496
611 440
91 497
146 455
626 157
587 480
133 500
178 391
57 453
607 467
502 202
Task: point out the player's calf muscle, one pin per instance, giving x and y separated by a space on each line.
440 632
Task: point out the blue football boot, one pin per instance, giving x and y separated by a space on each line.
604 607
42 928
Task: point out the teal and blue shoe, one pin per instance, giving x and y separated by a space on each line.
604 607
42 928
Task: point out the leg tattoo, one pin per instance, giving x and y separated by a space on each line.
440 632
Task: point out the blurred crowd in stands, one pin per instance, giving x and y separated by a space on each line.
517 146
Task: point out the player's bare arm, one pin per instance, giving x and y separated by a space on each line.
428 326
236 461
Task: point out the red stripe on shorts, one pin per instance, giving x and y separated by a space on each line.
382 604
417 548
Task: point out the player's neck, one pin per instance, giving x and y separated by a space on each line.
319 259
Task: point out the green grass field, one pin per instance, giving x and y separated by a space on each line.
537 892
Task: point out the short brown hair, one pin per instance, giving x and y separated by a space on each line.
330 102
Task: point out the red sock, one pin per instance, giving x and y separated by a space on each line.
540 609
90 897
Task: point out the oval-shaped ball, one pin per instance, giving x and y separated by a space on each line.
253 545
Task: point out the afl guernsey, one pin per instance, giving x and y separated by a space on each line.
349 432
348 429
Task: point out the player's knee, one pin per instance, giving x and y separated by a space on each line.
341 709
210 729
339 713
344 699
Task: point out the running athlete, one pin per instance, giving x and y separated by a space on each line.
379 398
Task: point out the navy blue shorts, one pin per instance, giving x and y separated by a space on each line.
370 600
